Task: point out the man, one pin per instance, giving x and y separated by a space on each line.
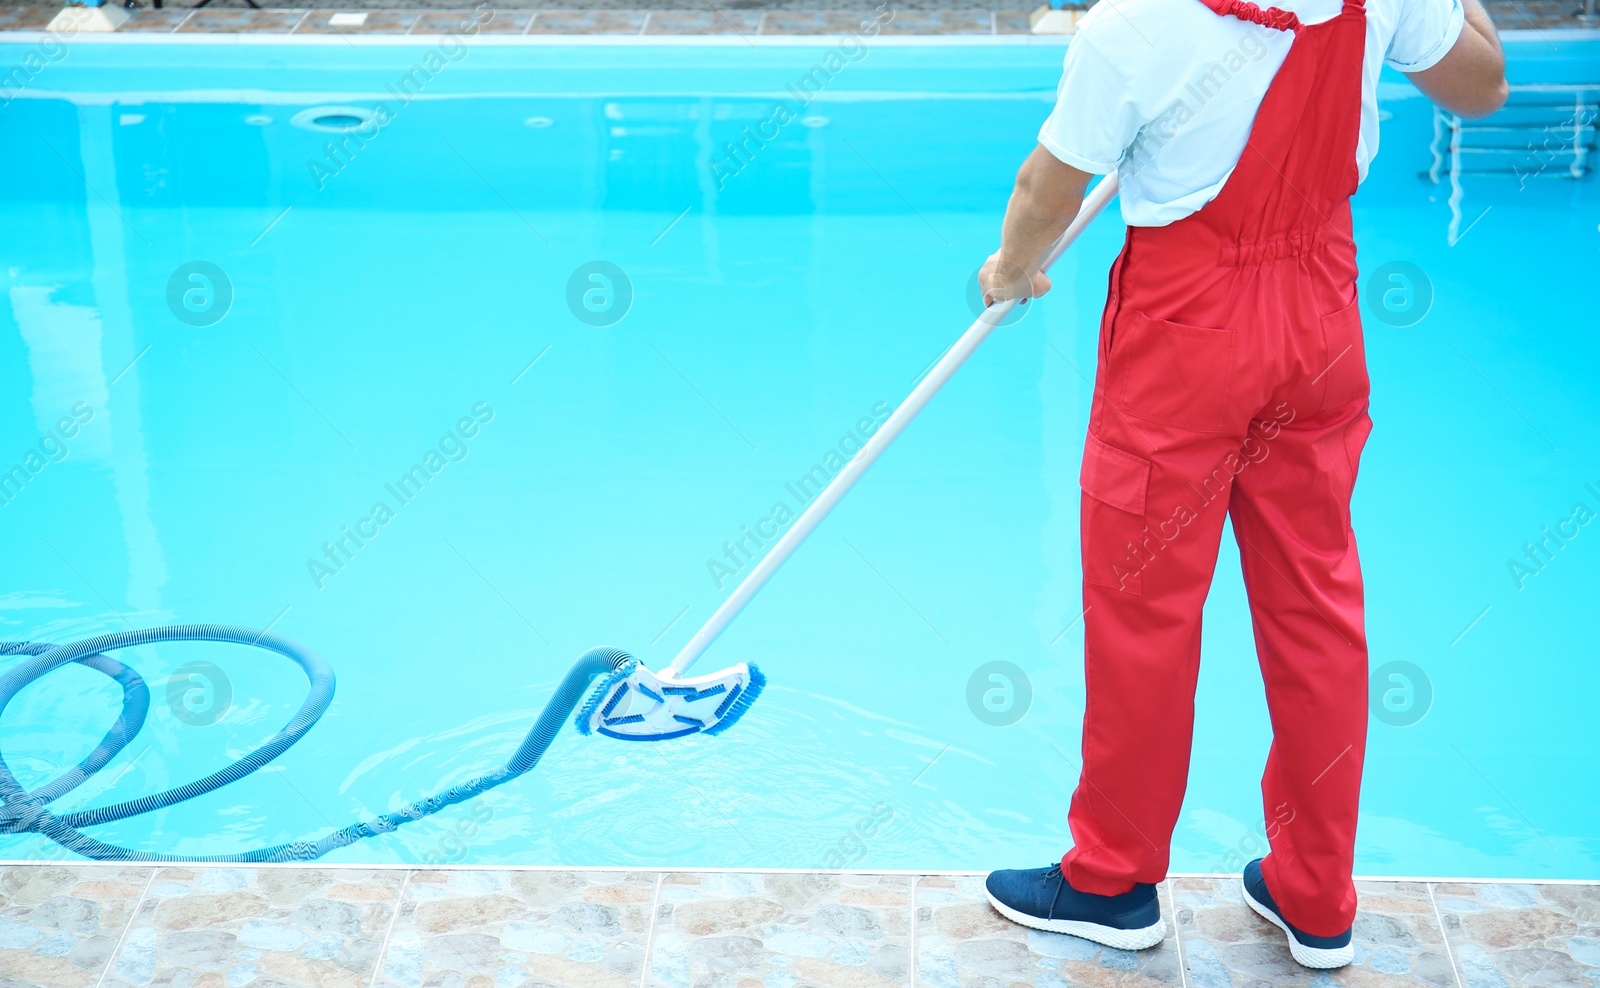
1232 379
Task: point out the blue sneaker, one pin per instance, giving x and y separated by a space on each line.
1041 899
1309 951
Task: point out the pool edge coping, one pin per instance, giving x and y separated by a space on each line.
673 869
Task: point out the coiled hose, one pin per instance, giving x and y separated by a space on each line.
25 812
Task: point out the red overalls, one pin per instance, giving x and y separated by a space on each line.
1232 379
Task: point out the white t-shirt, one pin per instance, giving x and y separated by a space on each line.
1165 91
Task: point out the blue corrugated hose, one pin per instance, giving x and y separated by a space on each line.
25 812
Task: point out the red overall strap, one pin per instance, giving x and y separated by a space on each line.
1281 20
1273 17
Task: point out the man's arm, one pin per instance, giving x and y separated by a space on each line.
1043 203
1471 78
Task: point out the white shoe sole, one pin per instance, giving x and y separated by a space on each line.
1321 958
1109 936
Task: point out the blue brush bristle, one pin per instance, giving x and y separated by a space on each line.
602 689
753 690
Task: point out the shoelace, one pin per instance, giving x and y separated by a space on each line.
1053 872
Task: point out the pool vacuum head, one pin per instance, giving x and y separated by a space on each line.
635 704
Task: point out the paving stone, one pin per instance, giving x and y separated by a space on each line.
564 929
1397 939
163 21
729 22
459 22
832 931
210 21
814 22
290 926
1012 22
1523 936
588 22
28 18
60 923
938 22
376 22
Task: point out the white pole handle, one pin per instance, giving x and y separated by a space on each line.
831 495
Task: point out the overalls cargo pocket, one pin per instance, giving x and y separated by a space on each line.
1117 483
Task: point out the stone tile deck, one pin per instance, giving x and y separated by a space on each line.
750 18
125 926
514 21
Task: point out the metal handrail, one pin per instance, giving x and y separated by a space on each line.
1571 139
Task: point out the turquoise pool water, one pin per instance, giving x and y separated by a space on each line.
409 304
